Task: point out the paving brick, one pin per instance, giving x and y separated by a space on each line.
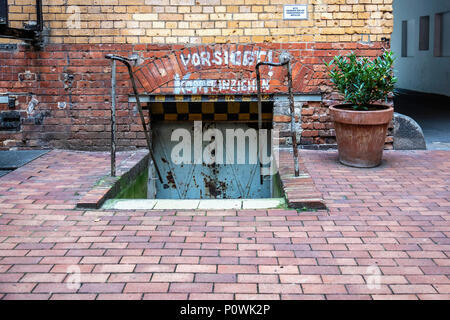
180 260
101 288
279 269
300 278
20 260
26 296
166 296
253 297
280 288
93 277
302 297
416 288
368 289
106 268
29 268
54 288
69 296
342 279
145 287
42 253
435 270
105 260
395 297
323 289
236 269
401 270
338 297
154 268
382 279
434 296
61 260
173 277
16 287
64 268
42 277
319 270
130 277
217 277
10 277
258 278
117 296
191 287
235 288
428 279
211 296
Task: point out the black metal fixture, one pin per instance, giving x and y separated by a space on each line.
11 102
3 12
31 32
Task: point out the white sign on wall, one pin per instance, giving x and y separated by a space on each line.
295 12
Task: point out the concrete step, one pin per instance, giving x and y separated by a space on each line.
201 204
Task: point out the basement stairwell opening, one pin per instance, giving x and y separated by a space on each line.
211 155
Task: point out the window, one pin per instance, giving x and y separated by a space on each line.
424 33
408 36
3 12
442 35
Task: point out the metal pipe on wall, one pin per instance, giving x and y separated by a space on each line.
39 22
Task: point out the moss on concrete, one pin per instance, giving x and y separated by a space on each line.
137 189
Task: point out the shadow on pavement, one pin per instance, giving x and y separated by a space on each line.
431 112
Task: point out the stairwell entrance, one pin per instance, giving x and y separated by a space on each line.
212 150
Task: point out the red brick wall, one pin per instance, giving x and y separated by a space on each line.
72 84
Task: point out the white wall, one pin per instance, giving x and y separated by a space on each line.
421 70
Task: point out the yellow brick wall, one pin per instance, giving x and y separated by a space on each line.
206 21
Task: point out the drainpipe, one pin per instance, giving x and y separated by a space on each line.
39 23
285 61
126 61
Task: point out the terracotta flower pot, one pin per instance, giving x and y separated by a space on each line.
361 134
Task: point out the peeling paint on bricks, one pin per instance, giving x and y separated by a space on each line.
223 58
217 86
231 71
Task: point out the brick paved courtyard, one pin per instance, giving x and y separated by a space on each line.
385 235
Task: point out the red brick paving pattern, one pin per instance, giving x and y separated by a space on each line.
392 221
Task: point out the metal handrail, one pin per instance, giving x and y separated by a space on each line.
285 60
127 61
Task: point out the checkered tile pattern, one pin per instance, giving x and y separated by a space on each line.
246 111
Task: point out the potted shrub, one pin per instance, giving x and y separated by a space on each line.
361 123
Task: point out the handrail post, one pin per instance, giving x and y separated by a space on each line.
126 62
113 119
292 107
284 61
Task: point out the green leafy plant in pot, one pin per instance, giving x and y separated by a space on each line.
361 124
